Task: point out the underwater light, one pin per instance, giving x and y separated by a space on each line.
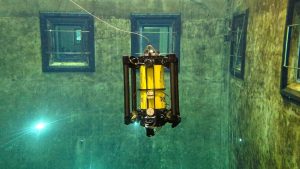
136 123
153 111
40 126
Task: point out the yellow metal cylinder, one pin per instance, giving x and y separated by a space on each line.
152 87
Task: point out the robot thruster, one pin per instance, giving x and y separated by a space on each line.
153 111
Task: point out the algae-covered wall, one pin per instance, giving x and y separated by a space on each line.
264 128
84 111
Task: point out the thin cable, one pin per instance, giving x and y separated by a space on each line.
108 24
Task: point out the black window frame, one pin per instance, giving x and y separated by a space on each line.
239 20
286 92
157 19
67 19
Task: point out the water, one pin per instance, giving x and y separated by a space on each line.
74 120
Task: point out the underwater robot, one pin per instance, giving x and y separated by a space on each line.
153 112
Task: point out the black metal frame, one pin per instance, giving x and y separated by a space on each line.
239 20
161 116
287 93
74 19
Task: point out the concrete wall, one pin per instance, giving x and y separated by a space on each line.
86 109
264 128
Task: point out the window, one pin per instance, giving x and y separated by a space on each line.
238 44
67 42
290 74
163 31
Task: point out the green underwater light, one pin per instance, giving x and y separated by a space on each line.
40 126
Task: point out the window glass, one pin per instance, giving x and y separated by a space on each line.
160 38
69 46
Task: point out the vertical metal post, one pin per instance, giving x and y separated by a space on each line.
133 90
154 88
146 75
177 113
174 85
126 90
